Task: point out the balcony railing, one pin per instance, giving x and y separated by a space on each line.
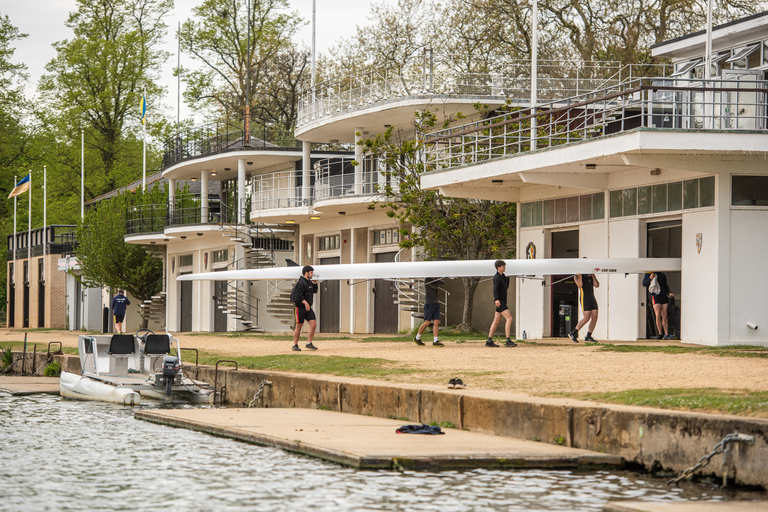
473 77
227 135
146 219
186 210
338 178
53 239
667 103
281 189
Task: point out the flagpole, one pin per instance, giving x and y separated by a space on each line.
45 216
144 122
82 174
15 238
29 223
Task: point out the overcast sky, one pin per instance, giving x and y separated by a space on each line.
43 21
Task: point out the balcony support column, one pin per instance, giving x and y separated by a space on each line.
203 197
306 169
240 191
171 197
359 158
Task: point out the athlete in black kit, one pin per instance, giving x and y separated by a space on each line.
500 286
587 284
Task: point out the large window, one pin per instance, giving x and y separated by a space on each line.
328 243
665 197
749 191
563 210
386 236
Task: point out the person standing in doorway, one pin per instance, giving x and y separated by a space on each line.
119 304
587 284
431 311
302 296
660 299
500 287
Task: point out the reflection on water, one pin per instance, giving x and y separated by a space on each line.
67 455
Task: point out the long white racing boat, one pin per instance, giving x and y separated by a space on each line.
126 368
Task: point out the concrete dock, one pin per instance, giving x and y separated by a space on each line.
368 442
20 386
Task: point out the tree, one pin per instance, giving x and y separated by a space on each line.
104 257
444 227
218 37
96 82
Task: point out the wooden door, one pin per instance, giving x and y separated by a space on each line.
330 300
186 305
385 294
219 298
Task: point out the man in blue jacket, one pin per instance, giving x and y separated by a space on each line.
302 295
119 304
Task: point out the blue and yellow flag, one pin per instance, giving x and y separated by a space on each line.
143 109
20 187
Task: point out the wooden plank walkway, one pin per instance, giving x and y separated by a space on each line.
371 443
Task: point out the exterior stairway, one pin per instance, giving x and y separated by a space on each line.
411 296
154 309
279 303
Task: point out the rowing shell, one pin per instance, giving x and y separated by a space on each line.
456 268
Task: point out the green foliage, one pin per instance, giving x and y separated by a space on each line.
740 402
305 363
559 440
106 260
7 359
217 37
443 227
727 351
443 424
53 369
95 83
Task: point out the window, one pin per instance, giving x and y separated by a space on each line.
386 236
749 191
562 210
328 243
691 194
664 197
221 256
675 196
707 191
630 201
185 261
682 70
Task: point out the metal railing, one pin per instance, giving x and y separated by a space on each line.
662 103
226 135
146 219
337 178
281 189
448 75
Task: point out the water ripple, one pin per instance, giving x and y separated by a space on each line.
63 455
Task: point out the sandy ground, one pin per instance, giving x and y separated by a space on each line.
543 367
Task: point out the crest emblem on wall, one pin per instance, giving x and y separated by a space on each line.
530 251
698 242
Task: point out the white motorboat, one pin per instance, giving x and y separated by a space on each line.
127 368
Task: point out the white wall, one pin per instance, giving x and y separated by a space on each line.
533 308
593 241
749 277
698 311
625 295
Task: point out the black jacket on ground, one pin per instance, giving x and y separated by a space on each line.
305 290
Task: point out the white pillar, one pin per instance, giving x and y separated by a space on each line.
204 197
171 196
352 282
359 159
240 191
306 170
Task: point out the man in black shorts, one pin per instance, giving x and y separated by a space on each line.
500 287
431 311
587 284
119 304
302 295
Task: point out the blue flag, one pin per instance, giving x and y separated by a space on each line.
20 187
143 107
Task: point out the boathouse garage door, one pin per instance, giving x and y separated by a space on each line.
219 300
385 295
186 305
665 240
330 300
565 293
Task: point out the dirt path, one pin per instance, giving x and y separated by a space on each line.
550 366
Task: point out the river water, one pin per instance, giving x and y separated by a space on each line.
59 454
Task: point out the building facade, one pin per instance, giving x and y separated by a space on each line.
662 166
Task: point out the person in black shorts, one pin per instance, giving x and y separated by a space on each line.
431 311
302 295
500 287
587 284
119 304
660 301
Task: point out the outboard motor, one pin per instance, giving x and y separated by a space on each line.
171 368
